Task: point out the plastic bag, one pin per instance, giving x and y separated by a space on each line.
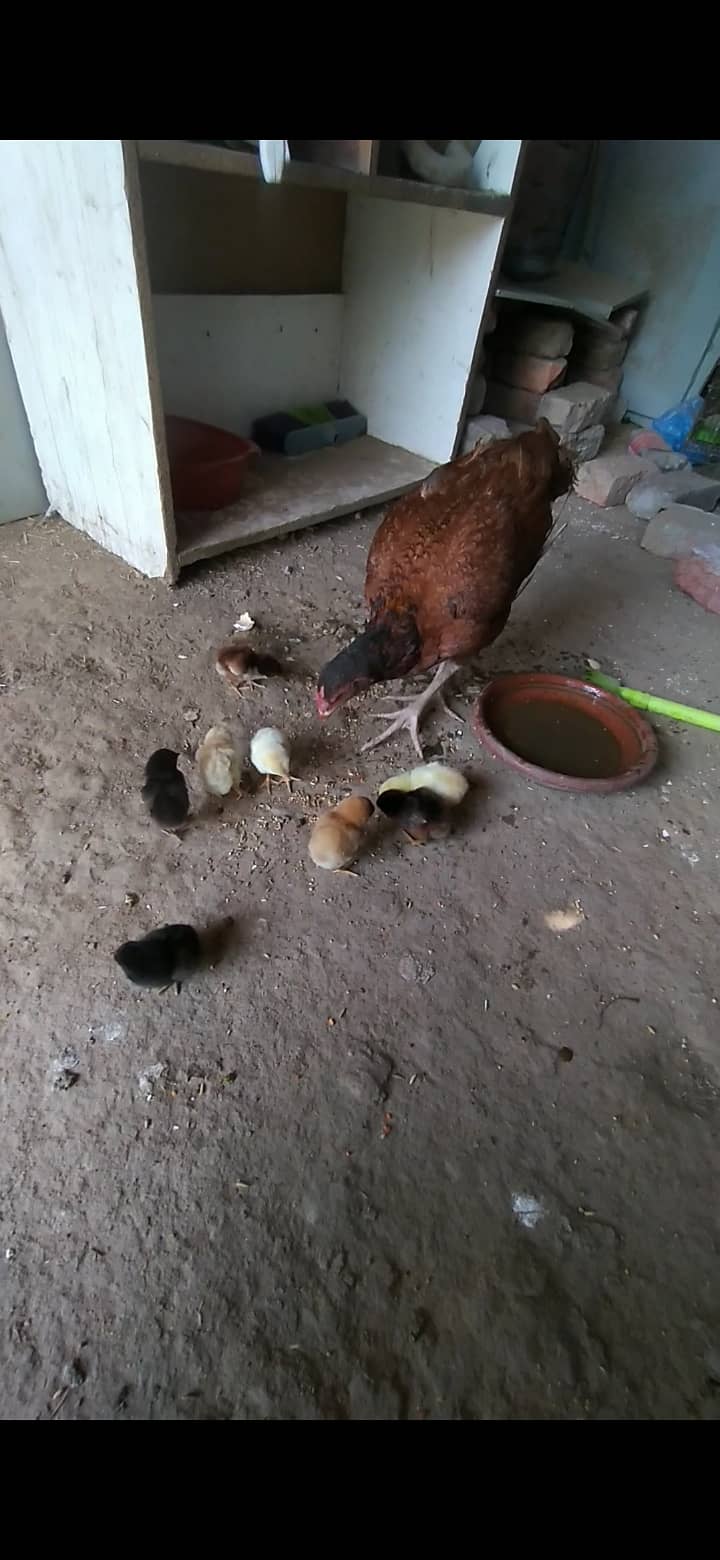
676 426
705 436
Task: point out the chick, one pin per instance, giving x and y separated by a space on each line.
242 667
338 834
169 954
270 754
422 815
445 782
420 800
219 763
165 793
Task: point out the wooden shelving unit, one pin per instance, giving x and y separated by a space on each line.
385 283
219 159
577 289
286 495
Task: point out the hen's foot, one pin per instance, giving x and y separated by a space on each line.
249 683
409 718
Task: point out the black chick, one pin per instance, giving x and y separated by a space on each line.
422 815
165 792
169 954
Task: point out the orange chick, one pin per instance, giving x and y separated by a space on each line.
338 834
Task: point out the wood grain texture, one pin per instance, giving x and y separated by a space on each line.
220 159
209 234
69 296
354 156
285 495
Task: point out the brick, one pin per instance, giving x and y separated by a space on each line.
674 487
607 480
666 460
586 444
676 531
575 406
483 430
607 378
598 351
527 371
647 499
646 439
540 334
508 401
476 398
699 577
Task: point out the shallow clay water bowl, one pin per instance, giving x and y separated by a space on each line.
565 733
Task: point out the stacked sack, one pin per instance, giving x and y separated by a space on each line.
540 364
529 356
599 351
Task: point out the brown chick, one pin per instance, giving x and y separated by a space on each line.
338 834
242 667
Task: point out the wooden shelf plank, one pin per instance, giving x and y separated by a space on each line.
288 494
592 294
221 159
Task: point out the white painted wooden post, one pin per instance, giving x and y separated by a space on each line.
70 294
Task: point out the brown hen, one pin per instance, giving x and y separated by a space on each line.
444 568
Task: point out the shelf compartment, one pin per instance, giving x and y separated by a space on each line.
220 159
287 494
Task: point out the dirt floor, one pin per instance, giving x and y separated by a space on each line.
406 1152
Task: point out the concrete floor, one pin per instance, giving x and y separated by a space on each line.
406 1152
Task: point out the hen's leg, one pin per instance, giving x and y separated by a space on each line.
409 718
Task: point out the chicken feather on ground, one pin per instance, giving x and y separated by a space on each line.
444 568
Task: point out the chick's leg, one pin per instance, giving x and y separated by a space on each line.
409 718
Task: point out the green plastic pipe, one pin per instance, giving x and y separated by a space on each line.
647 701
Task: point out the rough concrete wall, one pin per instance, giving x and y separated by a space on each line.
655 219
21 485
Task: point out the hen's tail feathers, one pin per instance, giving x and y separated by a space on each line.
564 485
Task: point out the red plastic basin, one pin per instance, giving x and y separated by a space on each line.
208 465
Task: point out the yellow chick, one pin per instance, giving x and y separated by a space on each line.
219 763
270 754
338 834
447 783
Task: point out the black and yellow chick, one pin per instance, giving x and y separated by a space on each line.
165 792
163 957
422 815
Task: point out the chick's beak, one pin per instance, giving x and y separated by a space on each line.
322 704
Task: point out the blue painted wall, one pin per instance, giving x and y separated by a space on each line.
21 485
655 219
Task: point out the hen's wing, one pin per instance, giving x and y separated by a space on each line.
455 551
